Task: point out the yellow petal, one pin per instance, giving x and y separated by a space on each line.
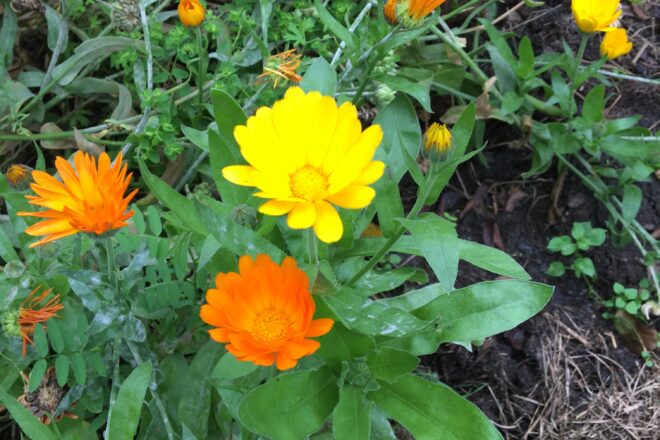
276 207
370 173
353 197
302 216
239 174
356 159
346 136
328 225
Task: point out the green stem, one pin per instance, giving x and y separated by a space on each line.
312 247
200 68
576 70
432 177
110 257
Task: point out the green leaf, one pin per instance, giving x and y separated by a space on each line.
432 411
437 240
195 406
556 269
7 251
526 54
632 201
389 364
306 397
37 374
594 104
55 336
371 317
153 217
198 137
400 132
490 259
497 39
180 206
420 89
388 204
377 282
79 368
221 155
320 76
506 77
30 425
238 239
90 51
62 365
335 27
228 368
124 415
341 344
351 419
584 265
40 340
485 309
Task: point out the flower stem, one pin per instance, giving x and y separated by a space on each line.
423 194
110 262
312 247
200 68
576 70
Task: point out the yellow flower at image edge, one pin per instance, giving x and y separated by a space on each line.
307 154
191 12
89 198
264 313
615 44
595 15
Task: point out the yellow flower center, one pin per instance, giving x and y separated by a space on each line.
309 183
270 326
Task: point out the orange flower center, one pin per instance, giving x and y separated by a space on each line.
309 183
270 326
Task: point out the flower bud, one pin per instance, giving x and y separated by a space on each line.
437 143
18 176
191 12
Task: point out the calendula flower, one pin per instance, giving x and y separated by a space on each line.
615 44
307 154
283 67
437 142
191 12
21 322
45 400
88 199
264 313
18 176
410 12
595 15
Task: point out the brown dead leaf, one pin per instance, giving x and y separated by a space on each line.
54 144
637 336
86 146
475 200
514 200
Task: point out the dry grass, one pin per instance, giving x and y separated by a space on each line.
585 393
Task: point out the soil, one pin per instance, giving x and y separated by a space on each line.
510 376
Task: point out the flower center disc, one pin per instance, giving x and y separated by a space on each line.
309 183
270 326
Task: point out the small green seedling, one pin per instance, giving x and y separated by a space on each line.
583 237
629 299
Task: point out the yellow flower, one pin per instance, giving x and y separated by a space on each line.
283 66
191 12
615 44
595 15
18 176
307 154
410 12
437 142
264 313
89 199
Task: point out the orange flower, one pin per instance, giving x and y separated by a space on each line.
264 312
410 12
89 199
18 176
283 66
191 12
32 312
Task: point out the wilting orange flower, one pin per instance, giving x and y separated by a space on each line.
191 12
264 313
32 311
283 66
89 199
410 11
18 176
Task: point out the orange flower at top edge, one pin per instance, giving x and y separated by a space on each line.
191 12
410 11
264 313
89 198
283 66
32 312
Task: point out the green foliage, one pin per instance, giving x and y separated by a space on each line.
583 237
